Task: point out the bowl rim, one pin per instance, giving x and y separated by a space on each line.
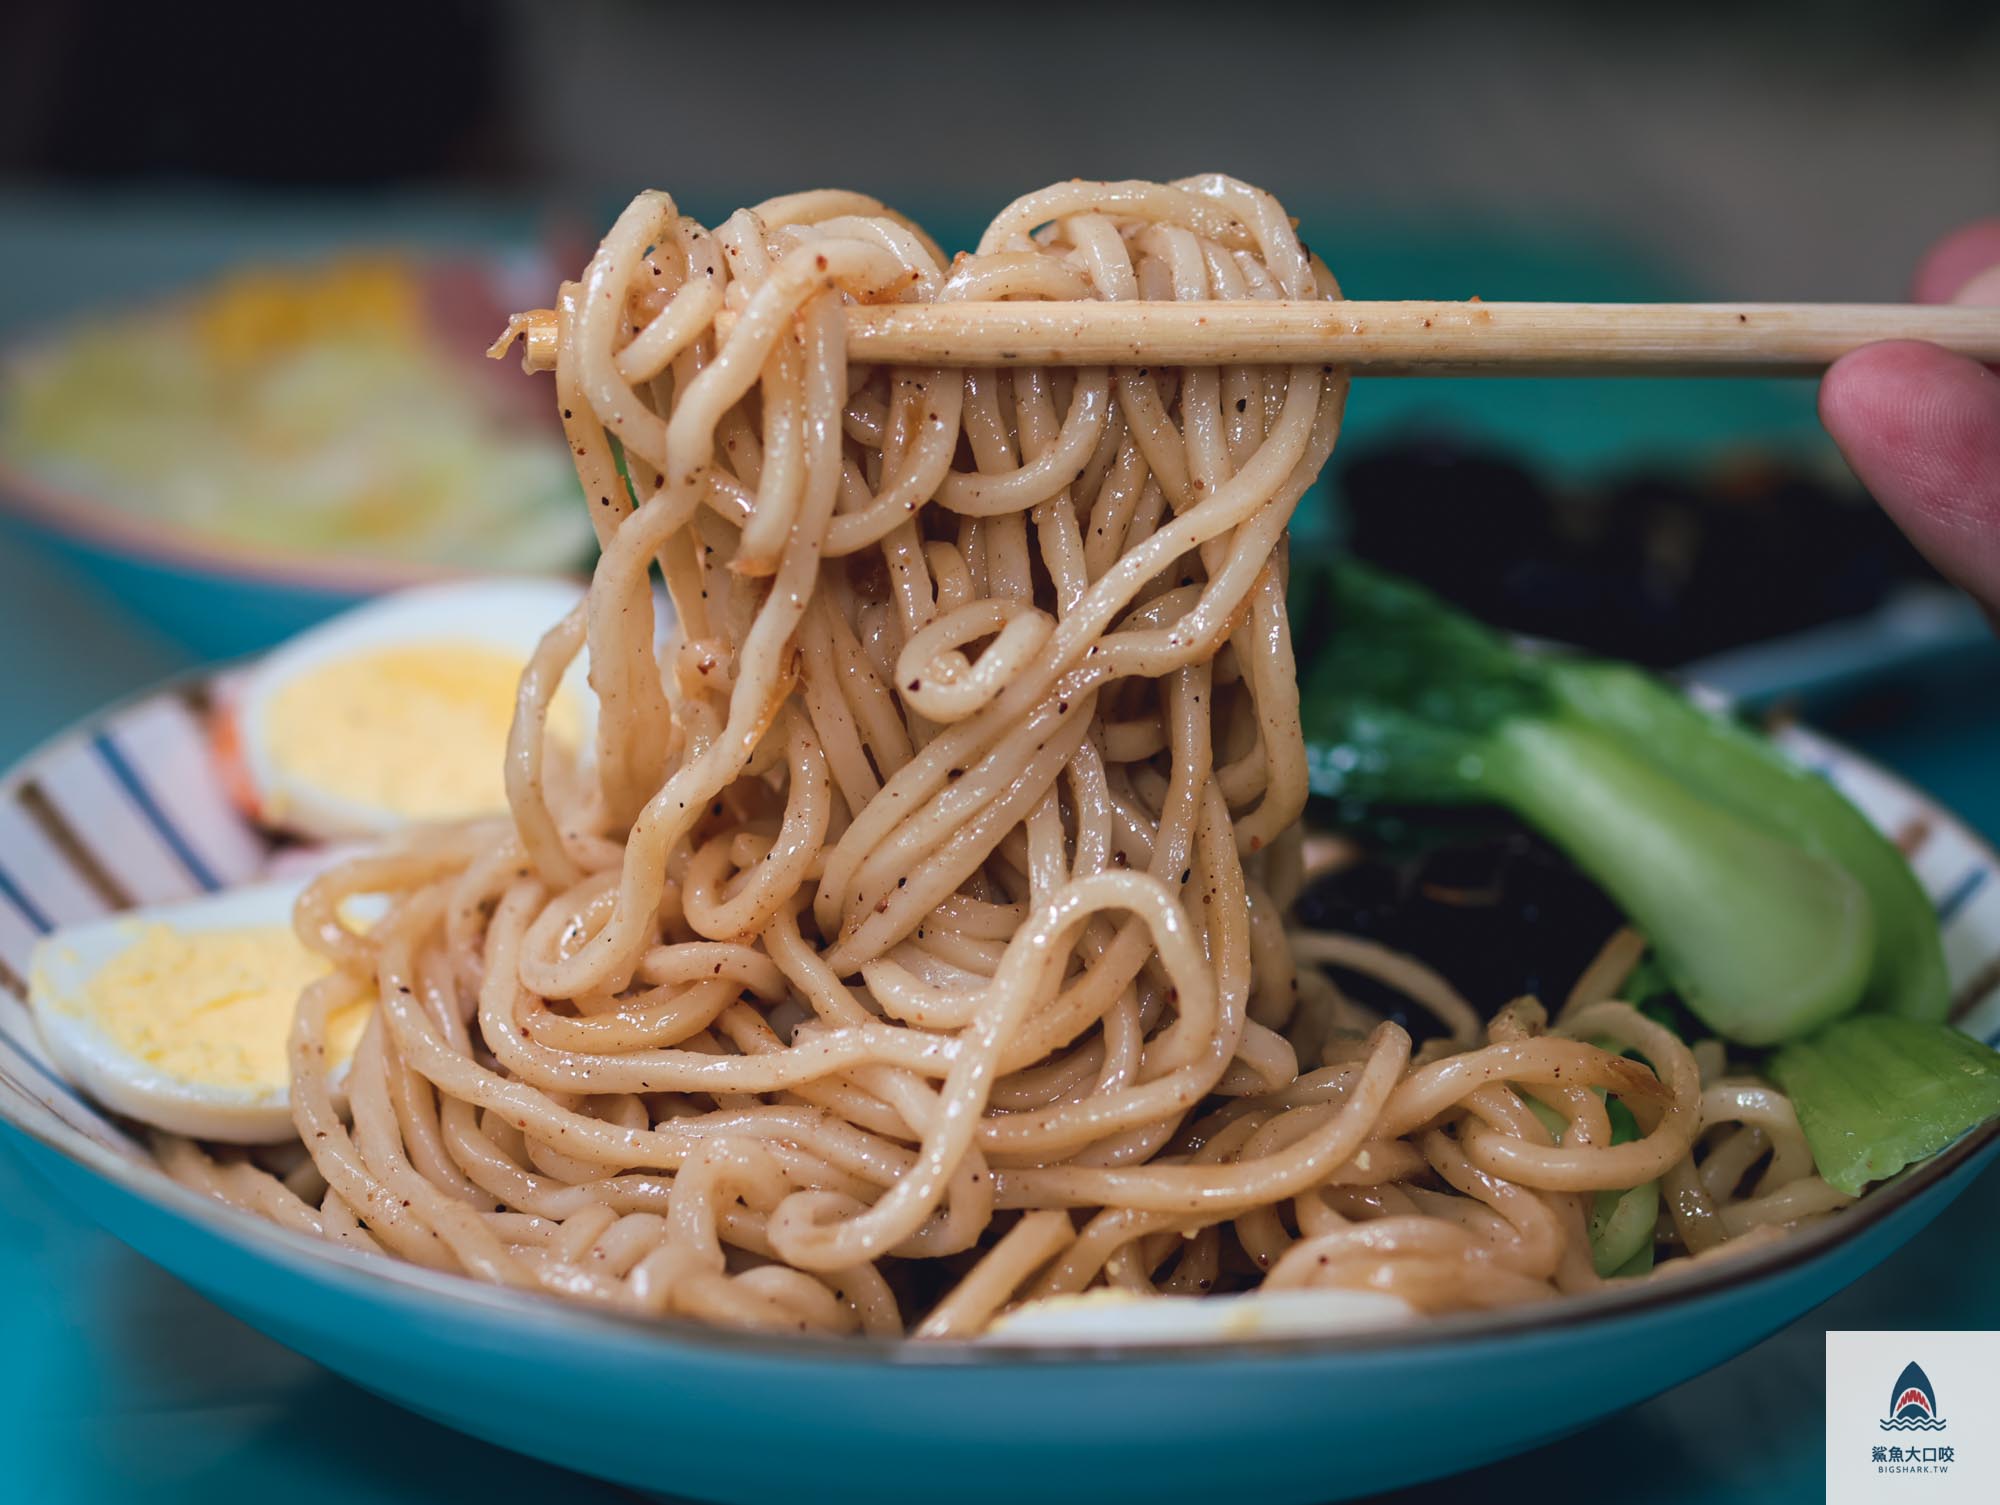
21 1110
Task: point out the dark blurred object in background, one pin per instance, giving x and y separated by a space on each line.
361 93
1800 149
1499 912
1796 149
1660 567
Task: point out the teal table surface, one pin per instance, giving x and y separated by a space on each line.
117 1384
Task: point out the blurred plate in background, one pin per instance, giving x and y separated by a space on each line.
256 449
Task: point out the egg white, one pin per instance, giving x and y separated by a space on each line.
1123 1317
59 993
508 615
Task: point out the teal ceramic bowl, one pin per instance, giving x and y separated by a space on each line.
218 602
673 1408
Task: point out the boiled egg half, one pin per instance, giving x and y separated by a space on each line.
178 1016
1115 1317
397 713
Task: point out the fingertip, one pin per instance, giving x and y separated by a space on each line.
1983 291
1921 429
1954 261
1868 396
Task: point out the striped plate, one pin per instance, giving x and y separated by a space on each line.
129 809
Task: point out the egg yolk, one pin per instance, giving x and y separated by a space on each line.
419 731
214 1006
267 311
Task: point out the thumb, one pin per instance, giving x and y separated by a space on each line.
1921 429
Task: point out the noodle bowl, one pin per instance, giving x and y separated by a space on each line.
913 943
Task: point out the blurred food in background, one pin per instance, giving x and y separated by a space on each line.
334 409
1663 566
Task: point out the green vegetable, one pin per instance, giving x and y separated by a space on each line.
1621 1228
1876 1092
1639 1264
1621 1222
1769 901
1648 982
1743 772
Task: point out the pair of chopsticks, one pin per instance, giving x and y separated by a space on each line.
1387 339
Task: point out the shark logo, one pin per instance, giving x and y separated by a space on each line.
1913 1404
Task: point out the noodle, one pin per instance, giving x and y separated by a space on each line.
912 943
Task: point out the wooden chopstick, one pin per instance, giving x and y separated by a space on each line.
1387 339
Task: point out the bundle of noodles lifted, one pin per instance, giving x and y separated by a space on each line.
917 949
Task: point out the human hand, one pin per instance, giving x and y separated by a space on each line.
1921 427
